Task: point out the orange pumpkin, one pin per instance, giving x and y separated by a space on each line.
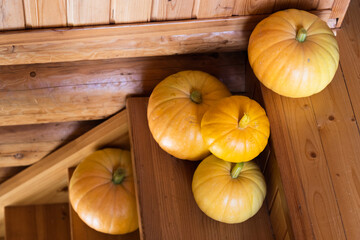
102 193
294 53
226 192
176 107
236 129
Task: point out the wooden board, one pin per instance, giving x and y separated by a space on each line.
80 231
171 10
166 206
11 15
45 13
129 40
8 172
46 181
213 8
130 11
85 90
38 222
26 144
89 12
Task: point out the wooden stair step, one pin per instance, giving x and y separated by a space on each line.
81 231
38 222
167 208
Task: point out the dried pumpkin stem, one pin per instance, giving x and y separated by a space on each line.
244 121
195 96
118 175
301 35
235 171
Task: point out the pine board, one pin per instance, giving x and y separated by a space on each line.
167 208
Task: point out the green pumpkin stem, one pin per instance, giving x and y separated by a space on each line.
195 96
118 176
301 35
244 121
235 171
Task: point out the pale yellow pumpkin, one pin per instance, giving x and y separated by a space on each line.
176 107
294 53
236 129
226 192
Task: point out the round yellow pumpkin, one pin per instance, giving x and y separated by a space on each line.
294 53
102 193
176 107
226 192
236 129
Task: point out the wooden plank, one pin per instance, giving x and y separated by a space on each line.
298 4
26 144
130 11
213 8
248 7
171 10
339 10
38 222
97 89
46 180
11 15
45 13
341 140
277 218
8 172
89 12
349 44
80 231
131 40
166 206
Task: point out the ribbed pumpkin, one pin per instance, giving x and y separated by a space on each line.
294 53
102 192
226 192
176 107
236 129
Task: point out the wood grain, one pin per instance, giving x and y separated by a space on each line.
213 8
26 144
89 12
96 89
339 10
341 140
248 7
46 181
38 222
129 40
277 218
7 172
80 231
130 11
166 206
171 10
11 14
45 13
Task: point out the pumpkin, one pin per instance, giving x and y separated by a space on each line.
294 53
102 193
228 192
236 129
176 107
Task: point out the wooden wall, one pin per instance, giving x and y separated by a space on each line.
27 14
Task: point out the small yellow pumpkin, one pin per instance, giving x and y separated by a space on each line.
294 53
236 129
226 192
102 192
176 107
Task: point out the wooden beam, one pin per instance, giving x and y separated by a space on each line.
59 92
131 40
23 145
46 180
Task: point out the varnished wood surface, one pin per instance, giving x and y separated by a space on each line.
18 14
167 208
23 145
81 231
129 40
46 181
38 222
42 93
316 142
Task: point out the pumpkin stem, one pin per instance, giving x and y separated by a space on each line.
235 171
301 35
244 121
118 175
195 96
